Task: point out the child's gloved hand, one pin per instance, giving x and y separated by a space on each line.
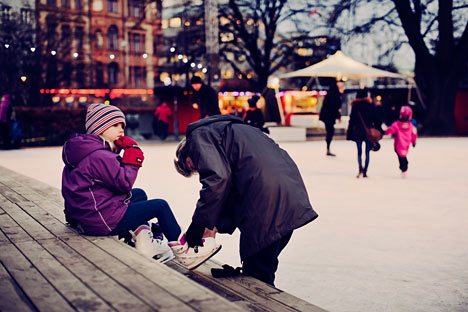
133 156
125 142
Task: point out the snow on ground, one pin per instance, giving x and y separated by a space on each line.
380 244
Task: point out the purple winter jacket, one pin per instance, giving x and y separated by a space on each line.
96 186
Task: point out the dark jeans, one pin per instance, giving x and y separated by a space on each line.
330 128
162 129
403 163
141 210
359 154
264 263
5 134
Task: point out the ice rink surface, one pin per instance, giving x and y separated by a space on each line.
379 244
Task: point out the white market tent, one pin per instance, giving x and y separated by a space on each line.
341 66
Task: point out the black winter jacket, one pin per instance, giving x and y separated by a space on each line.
248 182
331 107
366 108
207 100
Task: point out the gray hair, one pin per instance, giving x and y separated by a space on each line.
180 161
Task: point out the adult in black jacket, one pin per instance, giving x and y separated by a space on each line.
331 111
204 98
249 183
254 116
363 107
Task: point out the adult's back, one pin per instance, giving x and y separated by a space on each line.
249 183
362 107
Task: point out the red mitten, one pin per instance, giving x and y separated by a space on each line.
125 142
133 156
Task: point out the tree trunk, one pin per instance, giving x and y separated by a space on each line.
440 101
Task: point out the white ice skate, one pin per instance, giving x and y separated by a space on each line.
192 258
151 247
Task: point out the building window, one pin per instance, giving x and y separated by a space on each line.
99 75
6 12
78 4
112 6
79 34
80 75
98 40
51 2
98 5
138 77
66 4
66 34
137 43
51 36
113 73
136 8
67 72
26 16
112 38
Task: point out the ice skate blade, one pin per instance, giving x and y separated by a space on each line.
163 258
195 265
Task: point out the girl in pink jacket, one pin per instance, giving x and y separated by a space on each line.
404 135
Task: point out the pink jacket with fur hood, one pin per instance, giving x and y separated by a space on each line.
405 132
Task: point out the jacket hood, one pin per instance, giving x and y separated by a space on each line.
210 120
81 145
406 113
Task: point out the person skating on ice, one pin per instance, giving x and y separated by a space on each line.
404 133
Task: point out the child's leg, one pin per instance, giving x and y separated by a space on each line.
140 212
138 195
403 163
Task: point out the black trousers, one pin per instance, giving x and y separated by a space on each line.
5 134
403 163
263 264
330 129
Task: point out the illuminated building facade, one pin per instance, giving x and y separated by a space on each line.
102 44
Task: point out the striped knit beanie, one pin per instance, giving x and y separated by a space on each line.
101 117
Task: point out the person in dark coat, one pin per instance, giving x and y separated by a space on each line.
249 183
204 98
5 109
363 107
254 116
331 111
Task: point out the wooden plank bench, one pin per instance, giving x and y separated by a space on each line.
47 266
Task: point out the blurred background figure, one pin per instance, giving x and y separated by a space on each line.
254 116
331 111
404 134
363 113
161 120
204 98
5 114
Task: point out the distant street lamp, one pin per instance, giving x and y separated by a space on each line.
33 49
145 55
53 52
7 45
75 55
112 56
23 78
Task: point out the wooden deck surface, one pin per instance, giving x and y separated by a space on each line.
46 266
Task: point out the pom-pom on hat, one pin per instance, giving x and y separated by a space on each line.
101 117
